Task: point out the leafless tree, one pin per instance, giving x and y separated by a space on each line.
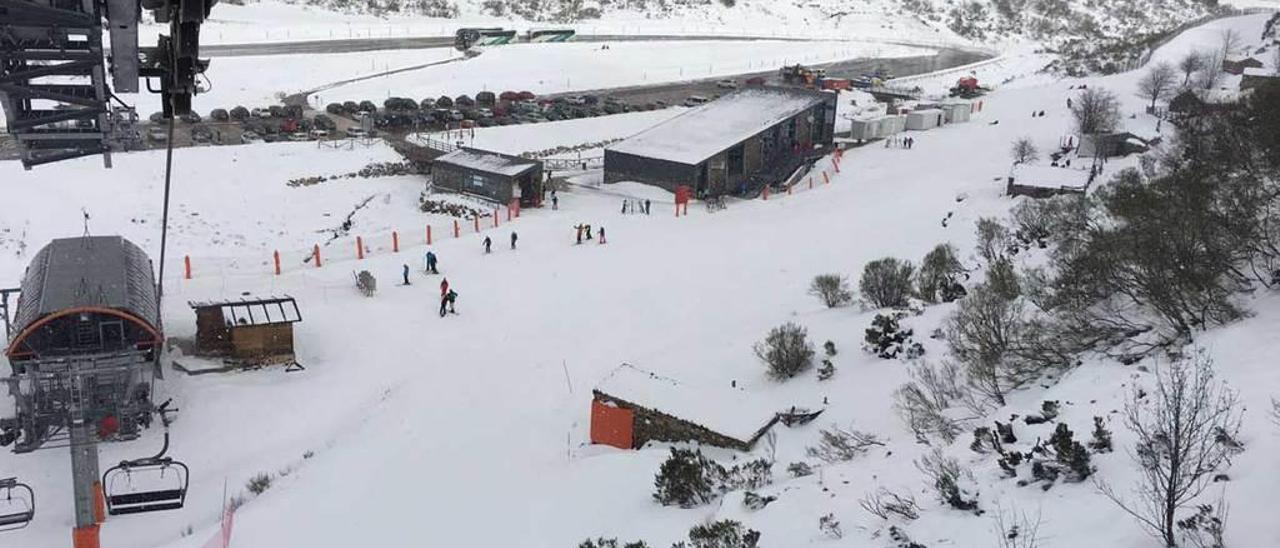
1189 65
1211 75
1275 411
1186 429
1017 530
838 445
832 289
985 334
1096 110
1158 83
1023 151
1231 41
885 504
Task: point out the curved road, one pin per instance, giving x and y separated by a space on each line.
430 42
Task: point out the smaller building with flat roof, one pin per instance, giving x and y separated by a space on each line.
492 175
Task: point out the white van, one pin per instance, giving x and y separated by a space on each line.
695 101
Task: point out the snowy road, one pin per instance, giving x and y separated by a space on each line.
430 42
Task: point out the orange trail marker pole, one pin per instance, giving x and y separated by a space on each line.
186 261
457 230
359 247
428 234
277 257
395 242
316 254
826 178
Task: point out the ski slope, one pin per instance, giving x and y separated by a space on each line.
471 430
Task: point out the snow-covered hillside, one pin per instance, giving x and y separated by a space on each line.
472 430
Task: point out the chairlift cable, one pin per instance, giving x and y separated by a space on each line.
164 217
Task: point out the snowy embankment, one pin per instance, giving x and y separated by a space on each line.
472 430
276 21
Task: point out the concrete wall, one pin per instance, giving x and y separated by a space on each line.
653 425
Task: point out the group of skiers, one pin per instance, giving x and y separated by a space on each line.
900 142
488 242
636 206
584 230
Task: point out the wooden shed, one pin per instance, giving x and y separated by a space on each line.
632 407
247 331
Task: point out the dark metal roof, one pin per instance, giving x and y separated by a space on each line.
88 272
262 311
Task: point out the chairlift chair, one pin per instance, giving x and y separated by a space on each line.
17 504
123 499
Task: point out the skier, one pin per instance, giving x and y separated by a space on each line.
452 297
1068 102
488 244
406 274
587 229
431 263
514 237
647 203
444 287
444 303
602 234
579 227
555 202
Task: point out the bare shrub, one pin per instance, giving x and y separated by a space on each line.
259 483
1275 411
836 444
1207 526
1180 428
886 282
945 476
983 334
830 526
1016 530
1023 151
886 504
832 289
923 402
938 279
786 351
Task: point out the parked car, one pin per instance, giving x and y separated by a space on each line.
201 135
324 122
276 111
427 104
220 115
526 96
298 136
356 133
156 117
696 100
250 137
484 113
486 122
576 100
756 81
456 115
727 84
318 134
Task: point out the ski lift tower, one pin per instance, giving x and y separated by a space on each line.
84 357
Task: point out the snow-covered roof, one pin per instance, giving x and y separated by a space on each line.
1049 176
710 129
726 411
1263 72
490 162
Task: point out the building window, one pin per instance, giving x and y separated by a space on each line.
478 180
736 160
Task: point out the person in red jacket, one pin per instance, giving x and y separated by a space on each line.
444 287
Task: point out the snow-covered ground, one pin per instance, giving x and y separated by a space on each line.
275 21
472 430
